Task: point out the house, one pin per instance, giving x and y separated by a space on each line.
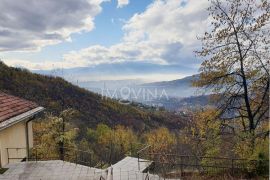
16 135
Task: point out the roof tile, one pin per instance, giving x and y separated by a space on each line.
11 106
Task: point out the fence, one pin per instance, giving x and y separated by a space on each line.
77 156
163 165
70 154
39 154
176 165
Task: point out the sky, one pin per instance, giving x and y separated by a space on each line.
115 39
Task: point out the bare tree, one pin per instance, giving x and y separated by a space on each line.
236 66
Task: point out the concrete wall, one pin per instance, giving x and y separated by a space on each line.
14 137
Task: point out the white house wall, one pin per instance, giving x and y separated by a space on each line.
15 137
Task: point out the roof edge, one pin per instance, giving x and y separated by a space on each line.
14 120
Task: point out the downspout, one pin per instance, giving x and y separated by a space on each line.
27 137
0 160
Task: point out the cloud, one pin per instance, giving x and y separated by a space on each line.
44 65
31 24
169 37
122 3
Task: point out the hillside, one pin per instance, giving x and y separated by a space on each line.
56 94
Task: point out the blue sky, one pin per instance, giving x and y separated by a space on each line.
108 29
132 35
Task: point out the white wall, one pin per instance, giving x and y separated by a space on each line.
14 137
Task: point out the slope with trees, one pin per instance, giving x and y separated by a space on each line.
56 95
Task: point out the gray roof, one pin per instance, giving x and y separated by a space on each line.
126 169
131 164
51 170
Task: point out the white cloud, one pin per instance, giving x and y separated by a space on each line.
32 24
122 3
165 33
41 65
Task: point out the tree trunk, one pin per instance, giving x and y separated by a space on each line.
246 96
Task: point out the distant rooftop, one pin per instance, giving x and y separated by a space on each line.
131 169
11 106
132 164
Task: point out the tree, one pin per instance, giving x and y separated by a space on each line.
203 133
100 141
236 65
162 145
64 118
160 140
126 141
53 133
110 145
204 140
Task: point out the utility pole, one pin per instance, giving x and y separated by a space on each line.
61 143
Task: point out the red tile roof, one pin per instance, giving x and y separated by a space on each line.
11 106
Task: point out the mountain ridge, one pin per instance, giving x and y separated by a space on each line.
56 94
183 81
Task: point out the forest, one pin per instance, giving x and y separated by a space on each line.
225 141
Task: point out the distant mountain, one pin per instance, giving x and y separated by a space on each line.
168 94
56 94
184 82
176 88
88 77
173 95
114 70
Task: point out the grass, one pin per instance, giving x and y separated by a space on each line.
3 170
